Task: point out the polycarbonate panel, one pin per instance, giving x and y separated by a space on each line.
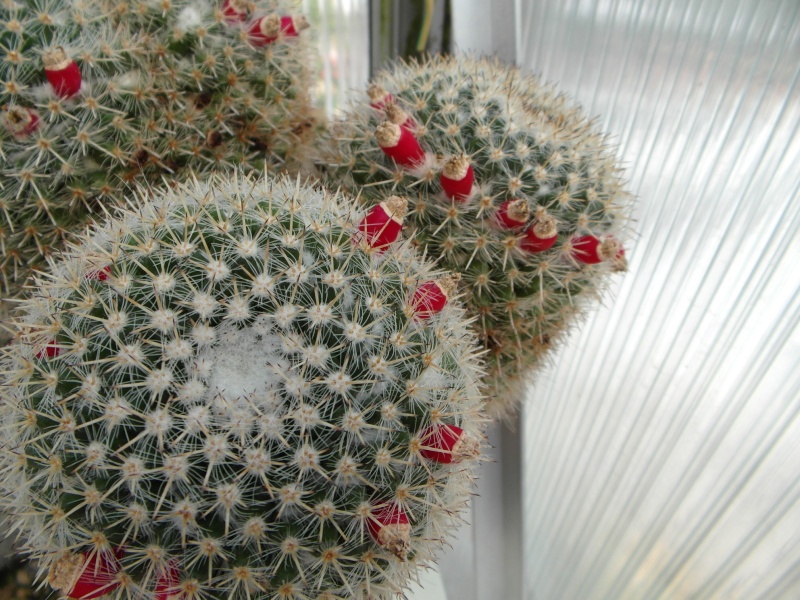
661 451
341 29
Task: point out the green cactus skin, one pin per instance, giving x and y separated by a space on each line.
165 86
222 385
525 142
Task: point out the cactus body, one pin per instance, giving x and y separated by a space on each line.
506 181
247 405
97 94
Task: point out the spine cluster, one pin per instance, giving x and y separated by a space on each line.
240 389
99 94
508 185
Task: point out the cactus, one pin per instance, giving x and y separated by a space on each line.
97 94
234 392
508 183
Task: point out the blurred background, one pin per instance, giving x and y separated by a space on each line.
658 457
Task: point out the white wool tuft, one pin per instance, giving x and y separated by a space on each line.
189 18
242 363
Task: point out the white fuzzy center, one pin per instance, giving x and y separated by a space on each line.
243 363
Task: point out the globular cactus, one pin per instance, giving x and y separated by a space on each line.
97 94
508 184
239 390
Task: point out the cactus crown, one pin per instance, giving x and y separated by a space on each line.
223 395
506 181
97 94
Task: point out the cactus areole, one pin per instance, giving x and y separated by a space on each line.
253 401
507 183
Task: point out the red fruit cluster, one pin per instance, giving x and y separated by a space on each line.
396 138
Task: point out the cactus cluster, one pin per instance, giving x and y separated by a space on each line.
508 185
97 94
240 389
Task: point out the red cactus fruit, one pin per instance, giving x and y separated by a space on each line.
591 250
457 178
431 297
447 444
235 11
100 274
62 72
384 222
378 97
20 121
51 350
168 584
541 235
400 144
86 575
396 115
390 528
513 213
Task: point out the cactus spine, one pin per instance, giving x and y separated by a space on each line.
234 391
507 182
98 94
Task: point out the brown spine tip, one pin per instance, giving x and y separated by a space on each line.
620 263
56 59
237 8
376 92
395 114
270 26
545 226
456 168
396 207
396 538
466 447
300 23
518 210
609 249
20 121
449 284
65 572
388 134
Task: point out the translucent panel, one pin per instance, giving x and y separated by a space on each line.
661 450
341 28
